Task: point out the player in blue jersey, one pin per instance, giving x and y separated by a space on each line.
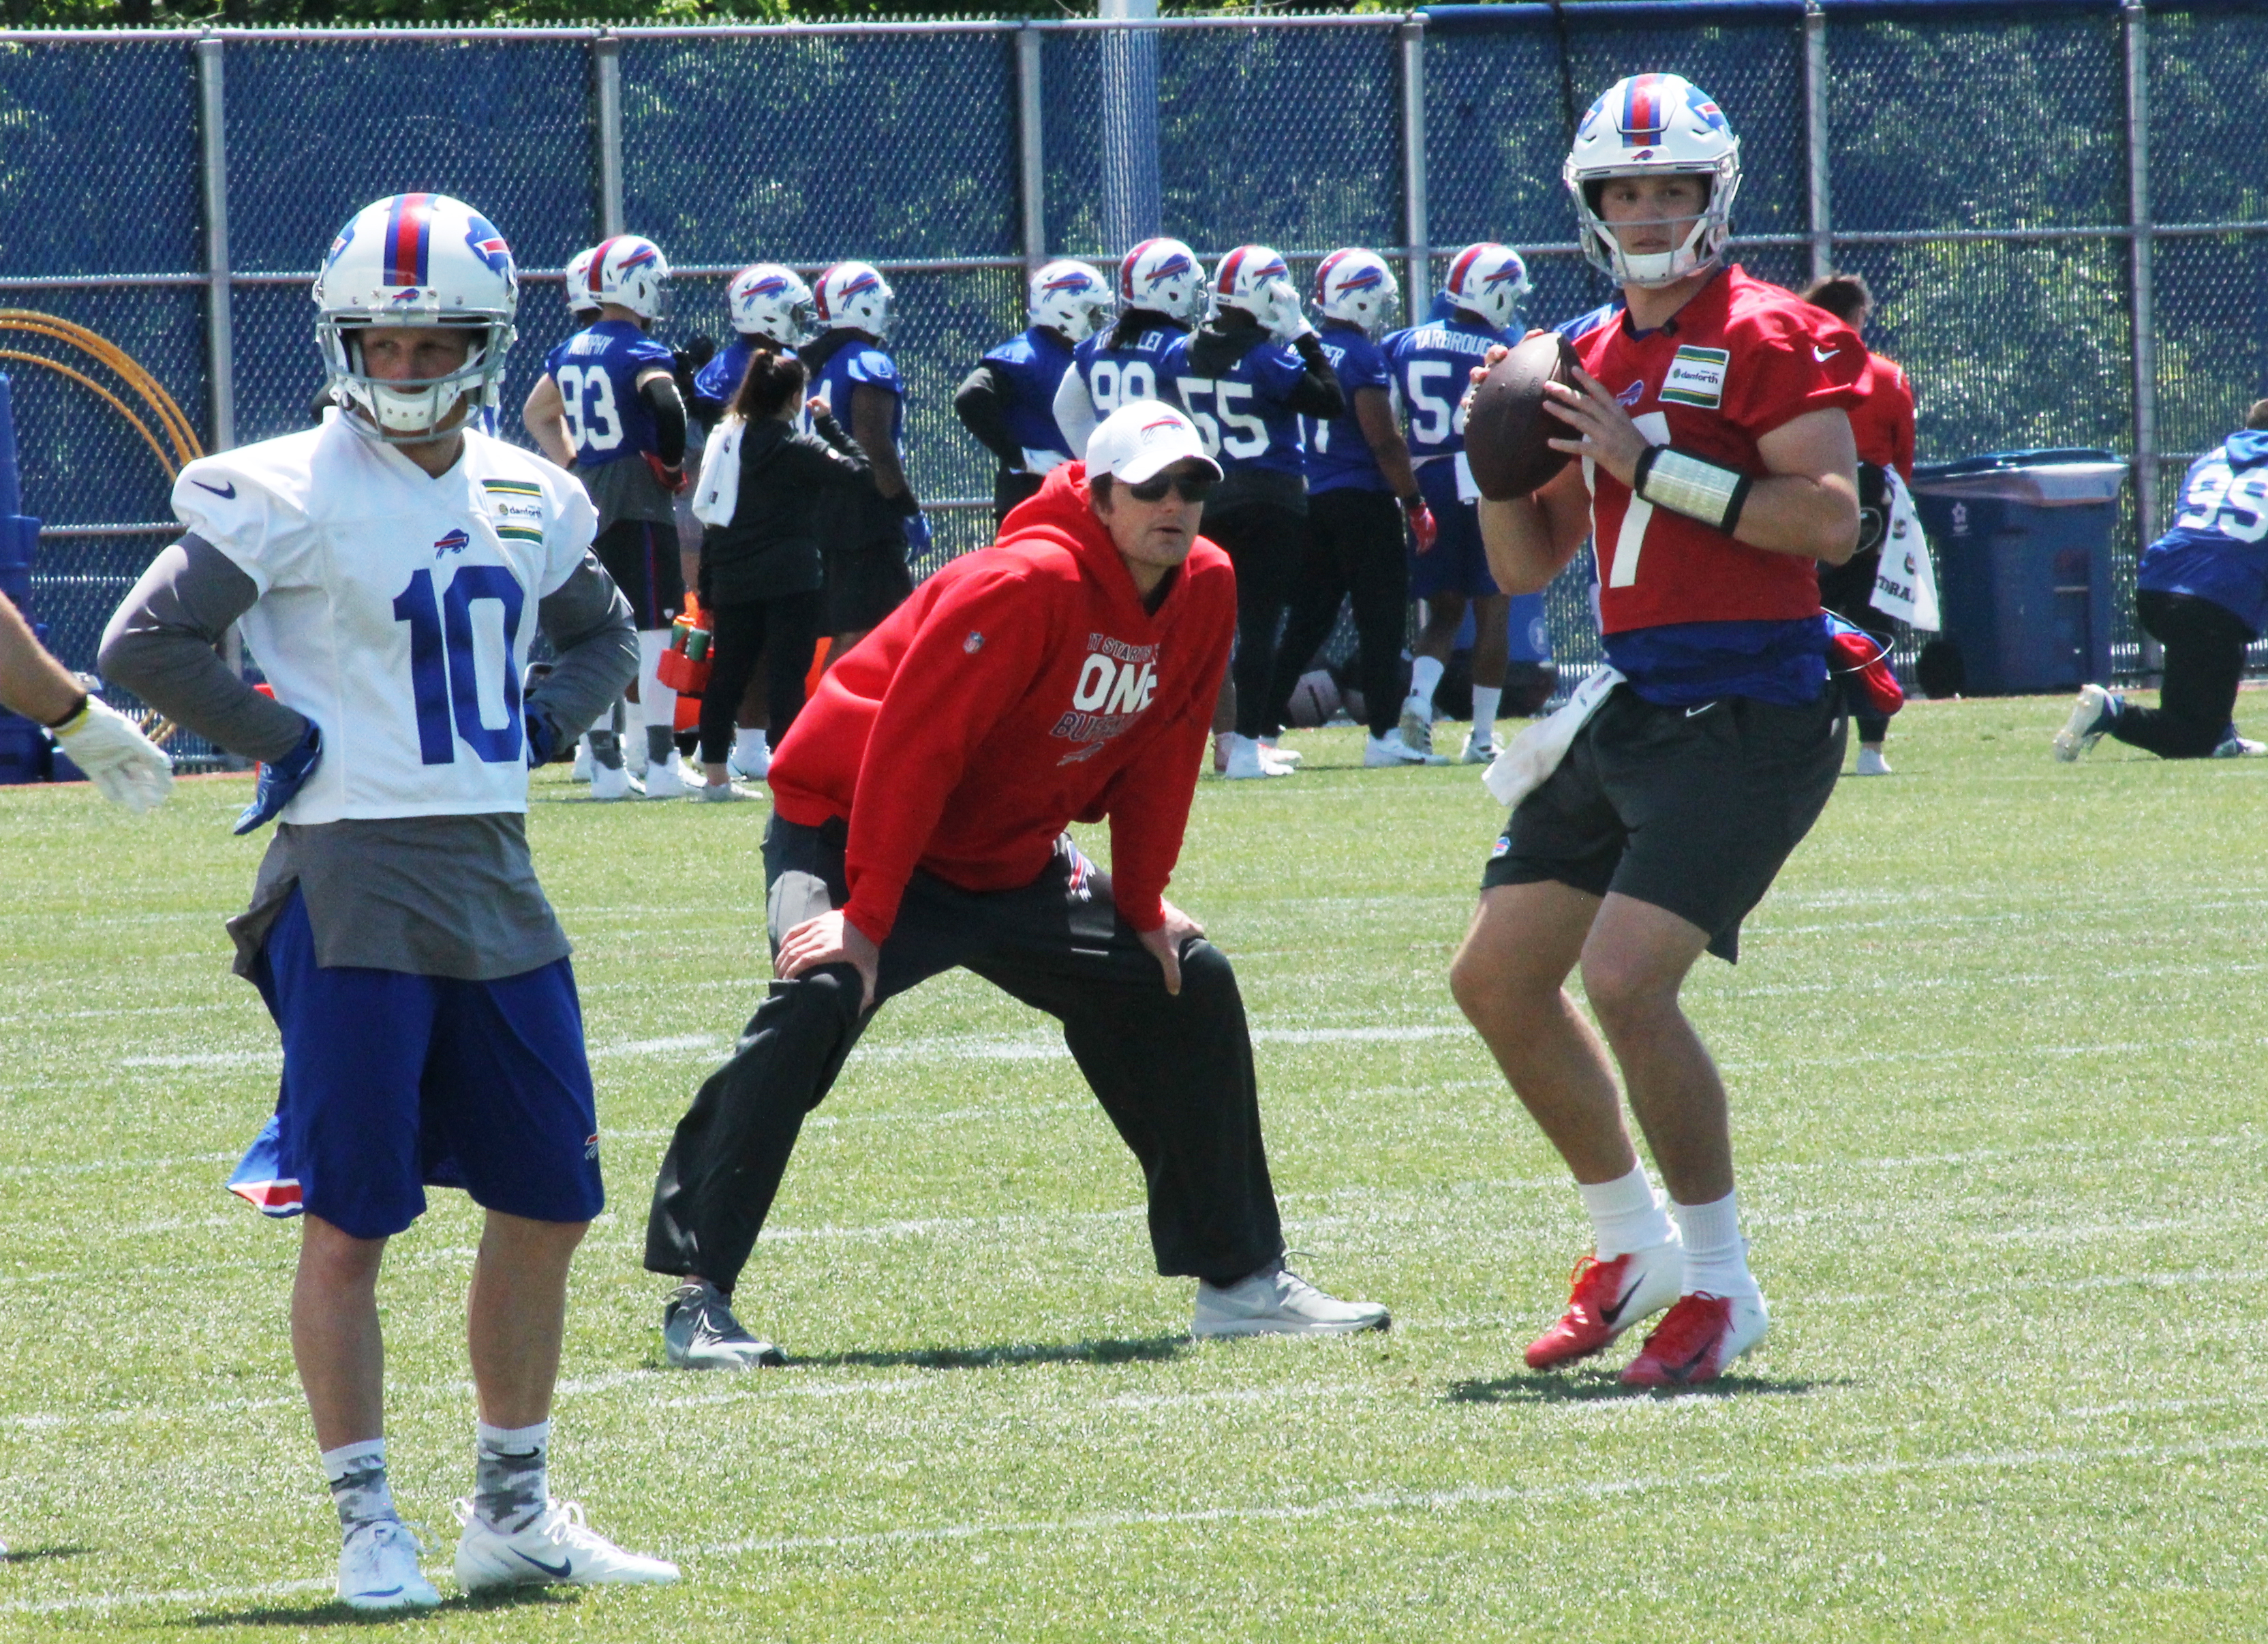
1008 402
391 568
1358 466
770 308
1161 292
2202 592
607 407
866 534
1432 364
1245 377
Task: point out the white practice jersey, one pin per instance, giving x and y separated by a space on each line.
396 609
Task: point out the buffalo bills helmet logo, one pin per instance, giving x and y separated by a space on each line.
771 285
1166 271
487 244
1070 280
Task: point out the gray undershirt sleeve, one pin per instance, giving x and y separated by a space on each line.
160 645
595 641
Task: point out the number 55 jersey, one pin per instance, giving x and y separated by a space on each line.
396 609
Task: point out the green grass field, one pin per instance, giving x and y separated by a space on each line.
1994 1053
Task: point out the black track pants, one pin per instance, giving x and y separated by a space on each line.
780 633
1173 1072
1354 547
2205 658
1265 543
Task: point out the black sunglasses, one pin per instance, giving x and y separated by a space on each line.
1193 487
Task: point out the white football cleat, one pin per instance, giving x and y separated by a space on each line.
723 793
580 772
754 769
556 1549
612 782
1276 754
1417 728
2096 712
1480 747
1380 753
1245 760
378 1568
664 779
1280 1303
1871 763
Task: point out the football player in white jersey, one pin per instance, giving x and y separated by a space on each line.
389 570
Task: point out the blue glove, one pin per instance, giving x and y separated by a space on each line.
542 736
280 778
917 537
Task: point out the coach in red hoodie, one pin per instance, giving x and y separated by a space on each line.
1067 673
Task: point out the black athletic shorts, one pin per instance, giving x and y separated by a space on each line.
641 555
1690 809
866 583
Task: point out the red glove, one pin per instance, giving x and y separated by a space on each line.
1423 526
1852 650
673 480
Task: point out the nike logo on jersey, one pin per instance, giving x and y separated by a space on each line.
227 491
1823 355
1695 713
558 1572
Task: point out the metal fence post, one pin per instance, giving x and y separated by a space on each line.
607 89
1815 120
2146 342
1414 223
1031 146
220 331
1132 205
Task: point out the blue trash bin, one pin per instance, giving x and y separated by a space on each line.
2023 556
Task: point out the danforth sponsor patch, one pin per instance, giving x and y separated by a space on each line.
1696 377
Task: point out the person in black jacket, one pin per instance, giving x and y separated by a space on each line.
761 575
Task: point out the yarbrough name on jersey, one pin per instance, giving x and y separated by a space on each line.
1116 683
396 609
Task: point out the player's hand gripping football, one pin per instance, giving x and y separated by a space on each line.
126 767
1164 943
828 939
1598 427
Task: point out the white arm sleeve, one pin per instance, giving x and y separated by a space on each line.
1074 412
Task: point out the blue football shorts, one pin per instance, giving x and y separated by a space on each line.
1457 564
391 1079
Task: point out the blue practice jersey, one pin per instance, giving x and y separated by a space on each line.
1339 458
1432 366
716 383
1241 412
597 372
1118 376
858 364
2218 548
1034 363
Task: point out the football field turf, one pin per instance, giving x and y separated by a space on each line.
1994 1053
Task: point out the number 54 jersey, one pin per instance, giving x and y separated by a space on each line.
396 609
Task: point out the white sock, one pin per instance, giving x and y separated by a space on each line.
1716 1255
1425 674
358 1486
657 703
750 745
509 1487
1484 703
1627 1214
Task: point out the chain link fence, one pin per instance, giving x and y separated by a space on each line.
2058 203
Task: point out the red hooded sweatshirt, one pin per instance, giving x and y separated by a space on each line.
1018 688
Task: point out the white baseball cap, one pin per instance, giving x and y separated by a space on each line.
1141 439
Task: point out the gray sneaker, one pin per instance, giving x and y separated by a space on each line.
1279 1302
699 1333
1416 730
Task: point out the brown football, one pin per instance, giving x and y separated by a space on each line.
1506 428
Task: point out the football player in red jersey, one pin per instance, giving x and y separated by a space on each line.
1883 431
1716 472
1068 672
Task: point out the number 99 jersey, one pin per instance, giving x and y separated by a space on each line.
1120 376
394 609
597 371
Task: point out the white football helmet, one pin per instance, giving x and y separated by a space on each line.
770 300
1162 277
1254 279
1070 298
581 305
1645 125
627 270
854 297
1355 286
416 259
1489 280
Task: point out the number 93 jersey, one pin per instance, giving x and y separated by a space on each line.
394 609
597 372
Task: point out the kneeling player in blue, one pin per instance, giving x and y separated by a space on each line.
2202 592
390 569
1008 402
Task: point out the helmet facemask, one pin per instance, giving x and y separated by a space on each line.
412 410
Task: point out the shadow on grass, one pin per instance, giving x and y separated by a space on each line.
334 1614
1594 1387
32 1555
1141 1350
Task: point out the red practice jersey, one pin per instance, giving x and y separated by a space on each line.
1740 359
1882 424
1018 689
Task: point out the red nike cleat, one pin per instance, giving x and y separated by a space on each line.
1697 1339
1608 1298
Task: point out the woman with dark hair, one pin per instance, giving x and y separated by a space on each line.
760 577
